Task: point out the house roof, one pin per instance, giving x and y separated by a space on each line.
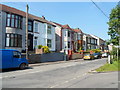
63 26
58 24
77 30
97 37
66 27
22 13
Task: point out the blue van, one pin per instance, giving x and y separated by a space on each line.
10 58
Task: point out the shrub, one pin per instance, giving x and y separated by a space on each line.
46 49
96 50
114 54
40 46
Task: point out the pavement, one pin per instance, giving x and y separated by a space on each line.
56 62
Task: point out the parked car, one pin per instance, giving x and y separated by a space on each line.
12 59
97 55
105 55
88 56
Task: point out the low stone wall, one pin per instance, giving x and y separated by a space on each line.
49 57
76 56
33 58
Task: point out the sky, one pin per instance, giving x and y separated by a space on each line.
83 15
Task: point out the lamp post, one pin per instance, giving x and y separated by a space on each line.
27 31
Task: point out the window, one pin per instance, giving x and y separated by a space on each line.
14 21
65 33
13 40
49 29
68 44
35 41
79 36
8 19
7 39
95 41
92 40
36 27
30 25
49 43
89 40
16 40
19 38
16 54
68 33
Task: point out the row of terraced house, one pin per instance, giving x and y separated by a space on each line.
56 36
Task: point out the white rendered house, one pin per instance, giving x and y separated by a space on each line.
44 34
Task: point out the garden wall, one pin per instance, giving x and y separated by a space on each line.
49 57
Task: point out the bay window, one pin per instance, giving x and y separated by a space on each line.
14 21
68 33
13 40
68 44
49 29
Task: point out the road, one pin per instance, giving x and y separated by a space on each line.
71 74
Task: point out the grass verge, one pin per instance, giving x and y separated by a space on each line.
115 66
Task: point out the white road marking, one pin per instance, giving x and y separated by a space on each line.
68 80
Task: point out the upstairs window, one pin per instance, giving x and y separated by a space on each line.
89 40
14 21
36 27
49 29
68 33
30 26
79 36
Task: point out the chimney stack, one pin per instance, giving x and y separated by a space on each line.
43 17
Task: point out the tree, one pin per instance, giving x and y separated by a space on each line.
114 25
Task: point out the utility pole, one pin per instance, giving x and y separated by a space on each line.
27 31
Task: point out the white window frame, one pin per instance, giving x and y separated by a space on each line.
36 27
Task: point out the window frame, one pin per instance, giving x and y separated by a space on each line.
49 29
69 33
31 25
69 46
17 40
14 19
49 43
36 28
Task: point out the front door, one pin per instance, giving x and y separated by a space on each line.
30 42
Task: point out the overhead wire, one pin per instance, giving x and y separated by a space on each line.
100 9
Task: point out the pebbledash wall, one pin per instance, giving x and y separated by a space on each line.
42 34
